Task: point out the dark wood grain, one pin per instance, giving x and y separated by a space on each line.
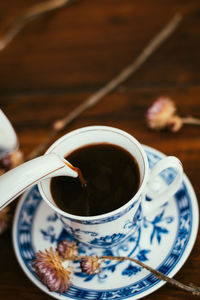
57 61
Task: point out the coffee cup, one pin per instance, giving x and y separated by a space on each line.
112 228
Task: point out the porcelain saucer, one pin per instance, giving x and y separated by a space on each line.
164 242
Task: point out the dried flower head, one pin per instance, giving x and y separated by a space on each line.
4 219
49 269
90 265
160 113
67 249
6 163
175 123
11 160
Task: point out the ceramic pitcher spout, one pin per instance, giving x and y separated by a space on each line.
16 181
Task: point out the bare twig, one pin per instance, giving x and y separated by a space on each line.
191 121
30 14
124 74
189 288
113 84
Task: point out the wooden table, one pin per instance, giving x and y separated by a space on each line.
57 61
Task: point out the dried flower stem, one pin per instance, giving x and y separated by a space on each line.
30 14
89 265
151 47
191 121
189 288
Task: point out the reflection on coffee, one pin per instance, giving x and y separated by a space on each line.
112 178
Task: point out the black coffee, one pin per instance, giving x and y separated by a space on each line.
112 178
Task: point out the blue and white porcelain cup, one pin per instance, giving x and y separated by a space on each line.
110 229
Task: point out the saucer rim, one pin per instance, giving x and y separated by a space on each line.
154 287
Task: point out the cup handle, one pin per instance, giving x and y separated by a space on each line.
154 198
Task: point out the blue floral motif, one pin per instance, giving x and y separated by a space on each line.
108 252
101 277
157 231
158 226
49 234
131 270
134 223
142 255
85 276
77 232
108 240
65 235
53 217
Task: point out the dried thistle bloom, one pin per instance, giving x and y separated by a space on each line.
90 265
4 219
160 112
12 160
67 249
49 269
6 163
175 123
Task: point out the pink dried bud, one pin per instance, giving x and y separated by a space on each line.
90 265
6 163
12 160
4 219
160 112
67 249
175 123
49 269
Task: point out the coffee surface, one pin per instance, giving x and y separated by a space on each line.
112 178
